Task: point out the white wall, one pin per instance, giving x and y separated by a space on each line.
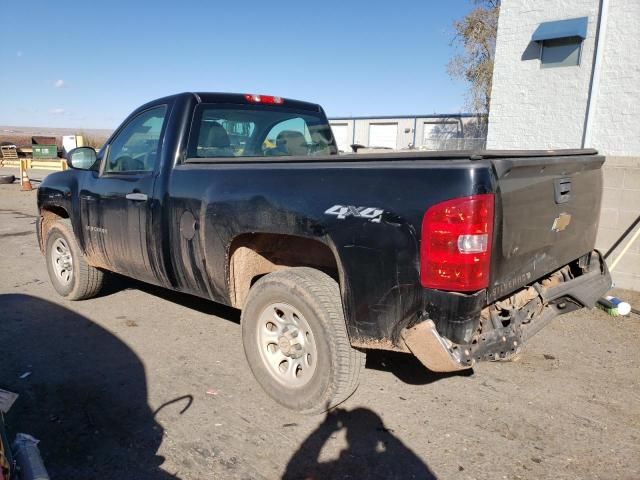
406 135
620 208
616 127
531 107
545 108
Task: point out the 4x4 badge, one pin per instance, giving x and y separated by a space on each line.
341 211
562 222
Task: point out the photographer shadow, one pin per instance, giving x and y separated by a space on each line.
373 452
83 393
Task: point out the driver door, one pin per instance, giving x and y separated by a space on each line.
118 204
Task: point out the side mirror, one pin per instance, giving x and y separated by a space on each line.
81 158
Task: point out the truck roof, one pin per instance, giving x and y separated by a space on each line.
239 98
217 97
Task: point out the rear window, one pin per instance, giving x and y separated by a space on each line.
258 131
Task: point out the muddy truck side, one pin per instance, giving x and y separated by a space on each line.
455 257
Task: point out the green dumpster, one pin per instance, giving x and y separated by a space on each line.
44 151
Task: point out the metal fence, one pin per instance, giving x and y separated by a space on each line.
454 144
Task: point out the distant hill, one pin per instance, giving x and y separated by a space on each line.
53 132
21 136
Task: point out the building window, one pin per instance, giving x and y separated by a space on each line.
560 52
561 41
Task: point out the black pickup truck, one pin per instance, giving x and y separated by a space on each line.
456 257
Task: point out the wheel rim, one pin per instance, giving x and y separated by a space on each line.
286 344
62 261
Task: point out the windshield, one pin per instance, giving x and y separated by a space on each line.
258 131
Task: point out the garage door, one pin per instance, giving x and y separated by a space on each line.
342 134
383 135
441 135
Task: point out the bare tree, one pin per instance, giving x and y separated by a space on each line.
476 34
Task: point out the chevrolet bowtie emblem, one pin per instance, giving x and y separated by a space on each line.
562 222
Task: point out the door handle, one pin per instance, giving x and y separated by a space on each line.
562 187
137 197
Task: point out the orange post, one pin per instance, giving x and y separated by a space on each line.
25 183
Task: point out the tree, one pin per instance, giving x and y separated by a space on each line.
476 34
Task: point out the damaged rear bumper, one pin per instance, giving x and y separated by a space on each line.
499 339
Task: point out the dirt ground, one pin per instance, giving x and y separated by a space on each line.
142 383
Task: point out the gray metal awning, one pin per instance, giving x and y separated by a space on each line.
570 28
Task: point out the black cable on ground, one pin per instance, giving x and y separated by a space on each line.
622 237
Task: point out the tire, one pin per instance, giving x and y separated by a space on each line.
75 280
327 368
6 179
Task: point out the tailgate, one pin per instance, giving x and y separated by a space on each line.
547 211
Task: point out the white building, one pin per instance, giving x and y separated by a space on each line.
567 75
456 131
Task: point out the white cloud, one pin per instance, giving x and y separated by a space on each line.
59 84
57 111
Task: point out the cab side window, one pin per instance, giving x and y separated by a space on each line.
135 148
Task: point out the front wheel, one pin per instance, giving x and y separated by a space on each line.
69 272
295 340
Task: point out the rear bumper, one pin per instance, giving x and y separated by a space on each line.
495 343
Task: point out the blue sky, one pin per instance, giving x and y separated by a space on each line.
89 64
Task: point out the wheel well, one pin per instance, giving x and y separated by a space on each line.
254 255
49 216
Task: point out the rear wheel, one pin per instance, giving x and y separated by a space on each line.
69 272
295 340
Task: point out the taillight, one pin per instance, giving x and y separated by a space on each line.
455 250
270 99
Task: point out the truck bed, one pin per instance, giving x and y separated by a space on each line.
382 290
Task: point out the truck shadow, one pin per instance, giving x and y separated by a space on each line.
85 397
116 283
372 451
404 366
408 368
